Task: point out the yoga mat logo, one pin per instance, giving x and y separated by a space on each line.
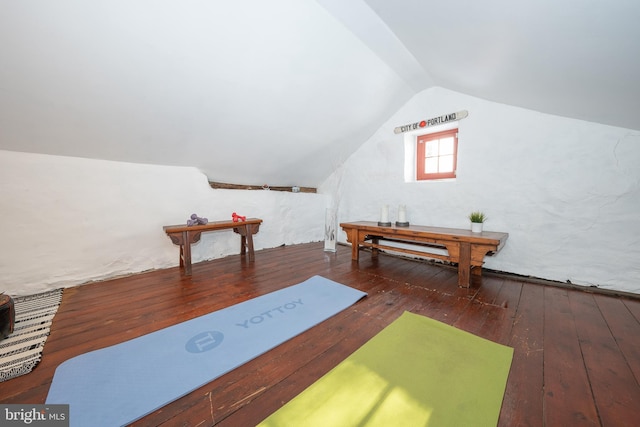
204 341
270 314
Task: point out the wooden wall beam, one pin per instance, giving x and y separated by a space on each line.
222 185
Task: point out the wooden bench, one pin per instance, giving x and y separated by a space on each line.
184 236
463 247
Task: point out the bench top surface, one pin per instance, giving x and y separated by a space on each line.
210 226
461 234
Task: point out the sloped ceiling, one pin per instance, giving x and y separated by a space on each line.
573 58
280 92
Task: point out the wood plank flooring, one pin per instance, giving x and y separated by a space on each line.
576 360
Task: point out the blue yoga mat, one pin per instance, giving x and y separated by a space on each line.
117 385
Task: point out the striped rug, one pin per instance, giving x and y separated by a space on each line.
21 351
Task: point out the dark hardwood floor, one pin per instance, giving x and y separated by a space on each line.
576 359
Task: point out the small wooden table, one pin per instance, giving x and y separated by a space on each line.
185 235
464 247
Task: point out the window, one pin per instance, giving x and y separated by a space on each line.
436 155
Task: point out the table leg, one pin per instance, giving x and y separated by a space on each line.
464 265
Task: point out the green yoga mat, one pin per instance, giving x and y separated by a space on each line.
415 372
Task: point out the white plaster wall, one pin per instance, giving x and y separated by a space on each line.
566 191
66 221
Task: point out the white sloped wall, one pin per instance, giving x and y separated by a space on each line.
566 191
66 221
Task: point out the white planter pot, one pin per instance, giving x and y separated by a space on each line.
476 227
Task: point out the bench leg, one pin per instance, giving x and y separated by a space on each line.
243 245
464 265
353 238
185 251
246 239
476 271
374 250
249 241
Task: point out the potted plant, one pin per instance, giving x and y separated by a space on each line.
477 218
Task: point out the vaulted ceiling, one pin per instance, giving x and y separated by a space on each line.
280 92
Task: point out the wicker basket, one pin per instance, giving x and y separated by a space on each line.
7 316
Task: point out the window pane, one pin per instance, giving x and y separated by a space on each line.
431 165
446 146
431 149
436 155
446 163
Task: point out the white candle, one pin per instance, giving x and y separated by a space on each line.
402 213
384 213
